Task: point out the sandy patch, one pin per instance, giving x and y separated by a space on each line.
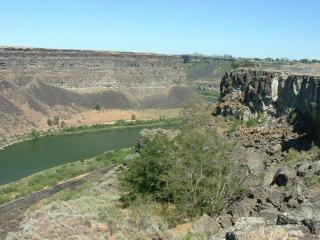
110 116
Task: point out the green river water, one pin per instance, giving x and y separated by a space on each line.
25 158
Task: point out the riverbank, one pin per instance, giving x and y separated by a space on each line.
60 131
56 175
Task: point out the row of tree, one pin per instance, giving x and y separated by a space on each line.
268 59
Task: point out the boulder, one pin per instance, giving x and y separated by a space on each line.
206 225
147 135
308 214
244 208
270 215
254 161
254 228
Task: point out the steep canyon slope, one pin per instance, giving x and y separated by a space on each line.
36 84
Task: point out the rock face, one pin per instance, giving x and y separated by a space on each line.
278 111
275 93
92 69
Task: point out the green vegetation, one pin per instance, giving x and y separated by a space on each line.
206 71
295 156
233 127
53 176
34 134
97 107
122 123
211 95
312 181
193 171
252 122
49 122
133 117
56 120
243 63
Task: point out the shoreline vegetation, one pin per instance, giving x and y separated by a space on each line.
59 174
62 131
52 176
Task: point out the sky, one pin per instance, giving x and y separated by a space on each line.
242 28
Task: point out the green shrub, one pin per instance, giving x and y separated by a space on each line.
192 171
97 107
312 181
295 156
49 122
233 127
34 133
252 122
242 63
56 120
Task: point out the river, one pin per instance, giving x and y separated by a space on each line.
26 158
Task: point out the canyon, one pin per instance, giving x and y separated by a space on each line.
38 84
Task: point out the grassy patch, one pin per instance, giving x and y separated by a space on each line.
210 95
233 127
122 123
252 122
295 156
312 181
53 176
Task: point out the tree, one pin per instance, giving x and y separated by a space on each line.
34 133
56 120
49 122
97 107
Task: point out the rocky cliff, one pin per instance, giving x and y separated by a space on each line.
247 92
92 69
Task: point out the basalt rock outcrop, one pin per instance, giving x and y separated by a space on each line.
92 69
247 92
280 126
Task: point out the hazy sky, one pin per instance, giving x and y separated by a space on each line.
248 28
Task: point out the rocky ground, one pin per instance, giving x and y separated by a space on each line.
282 201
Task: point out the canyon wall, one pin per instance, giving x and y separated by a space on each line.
92 69
37 84
276 93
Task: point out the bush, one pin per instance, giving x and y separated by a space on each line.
256 120
133 117
97 107
192 171
34 133
56 120
63 124
49 122
242 63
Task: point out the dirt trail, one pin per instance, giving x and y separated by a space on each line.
11 214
